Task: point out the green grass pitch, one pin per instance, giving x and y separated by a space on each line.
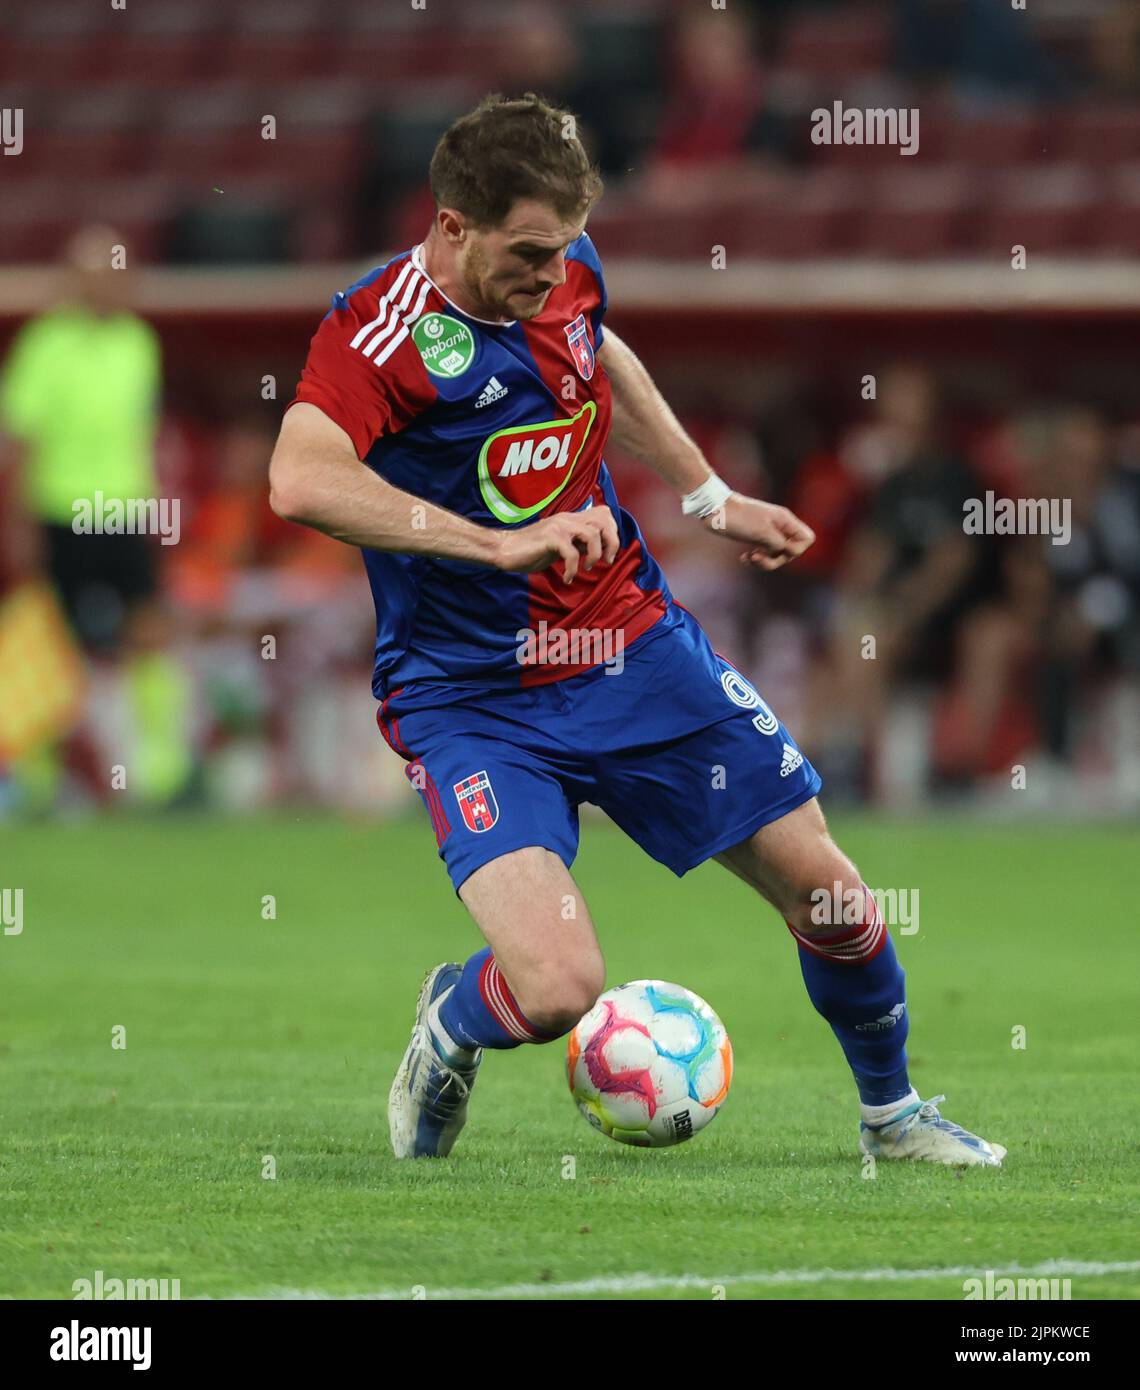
248 1037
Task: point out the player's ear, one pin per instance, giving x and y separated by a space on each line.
452 224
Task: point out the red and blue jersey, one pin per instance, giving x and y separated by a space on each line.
504 424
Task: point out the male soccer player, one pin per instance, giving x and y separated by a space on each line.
451 421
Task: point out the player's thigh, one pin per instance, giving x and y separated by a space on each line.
536 921
688 791
790 861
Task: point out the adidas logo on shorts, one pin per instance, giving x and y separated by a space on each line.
493 391
792 759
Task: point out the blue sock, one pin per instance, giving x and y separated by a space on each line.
855 982
481 1011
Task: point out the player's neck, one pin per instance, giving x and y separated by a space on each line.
433 260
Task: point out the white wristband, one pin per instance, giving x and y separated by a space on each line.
712 494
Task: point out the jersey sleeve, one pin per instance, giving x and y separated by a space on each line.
363 371
586 252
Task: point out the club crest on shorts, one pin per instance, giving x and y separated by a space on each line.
477 802
580 346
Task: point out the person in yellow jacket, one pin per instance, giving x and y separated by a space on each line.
79 403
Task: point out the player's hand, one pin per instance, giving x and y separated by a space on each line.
576 538
775 534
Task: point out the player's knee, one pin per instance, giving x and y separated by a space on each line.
554 1002
828 894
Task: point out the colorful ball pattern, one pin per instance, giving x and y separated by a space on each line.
650 1064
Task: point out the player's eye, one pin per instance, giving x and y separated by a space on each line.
537 254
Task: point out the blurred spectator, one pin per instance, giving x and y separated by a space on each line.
908 575
235 543
987 54
715 97
605 66
1114 51
269 607
79 400
1093 620
1063 619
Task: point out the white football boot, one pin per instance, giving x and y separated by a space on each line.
919 1131
427 1105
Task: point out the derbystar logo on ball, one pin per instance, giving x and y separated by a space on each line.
523 468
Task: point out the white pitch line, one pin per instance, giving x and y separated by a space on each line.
646 1283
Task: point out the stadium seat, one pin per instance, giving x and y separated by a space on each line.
824 46
803 214
1043 209
995 141
1100 134
1118 221
916 212
634 231
96 131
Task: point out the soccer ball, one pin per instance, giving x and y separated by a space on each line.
650 1064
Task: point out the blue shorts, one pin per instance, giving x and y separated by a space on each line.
676 747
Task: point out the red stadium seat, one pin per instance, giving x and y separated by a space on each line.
834 48
635 231
1118 222
1041 208
1100 134
916 211
1013 137
808 214
1118 230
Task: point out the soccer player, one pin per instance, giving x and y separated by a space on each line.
452 420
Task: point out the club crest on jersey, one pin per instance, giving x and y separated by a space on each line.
524 467
581 348
477 802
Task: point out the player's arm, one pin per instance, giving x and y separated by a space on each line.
644 426
316 479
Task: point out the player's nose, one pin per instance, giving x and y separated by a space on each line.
554 270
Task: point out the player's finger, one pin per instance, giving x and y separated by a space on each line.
774 543
588 539
606 524
610 542
798 534
571 554
762 560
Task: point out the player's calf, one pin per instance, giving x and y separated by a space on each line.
555 973
482 1009
854 981
544 968
847 960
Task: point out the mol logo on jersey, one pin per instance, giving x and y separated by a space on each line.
524 468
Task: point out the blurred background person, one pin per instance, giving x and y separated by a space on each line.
79 405
909 573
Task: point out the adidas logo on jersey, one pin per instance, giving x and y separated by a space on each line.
793 758
492 392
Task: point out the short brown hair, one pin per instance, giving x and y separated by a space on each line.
507 149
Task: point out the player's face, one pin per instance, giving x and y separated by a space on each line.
511 269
